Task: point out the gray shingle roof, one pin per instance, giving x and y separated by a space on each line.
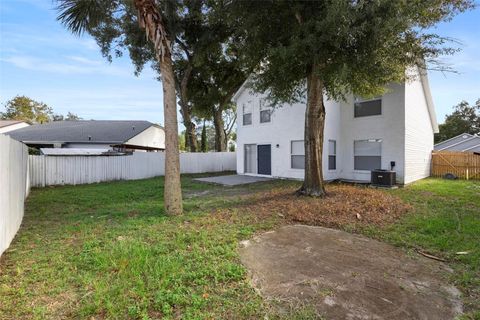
89 131
463 142
452 141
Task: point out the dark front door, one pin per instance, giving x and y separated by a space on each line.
264 156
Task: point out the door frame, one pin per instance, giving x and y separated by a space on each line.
245 158
271 159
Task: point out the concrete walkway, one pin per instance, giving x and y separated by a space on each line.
346 276
233 180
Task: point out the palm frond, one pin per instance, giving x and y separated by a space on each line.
81 15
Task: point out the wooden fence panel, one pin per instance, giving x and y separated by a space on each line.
465 165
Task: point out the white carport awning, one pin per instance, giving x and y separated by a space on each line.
72 152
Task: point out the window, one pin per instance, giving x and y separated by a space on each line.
332 155
247 113
265 112
367 154
365 108
250 158
298 154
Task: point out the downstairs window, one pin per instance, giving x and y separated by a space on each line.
297 154
367 154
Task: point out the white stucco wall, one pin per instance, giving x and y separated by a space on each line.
153 137
418 131
14 127
287 124
389 127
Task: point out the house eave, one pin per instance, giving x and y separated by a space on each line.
12 124
240 90
138 147
64 142
428 96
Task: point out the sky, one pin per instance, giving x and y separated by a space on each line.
39 58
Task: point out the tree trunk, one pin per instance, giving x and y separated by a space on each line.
314 128
190 134
172 189
151 20
204 138
220 144
225 140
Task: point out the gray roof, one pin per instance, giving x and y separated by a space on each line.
85 131
463 142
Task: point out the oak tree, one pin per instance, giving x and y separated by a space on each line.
26 109
464 119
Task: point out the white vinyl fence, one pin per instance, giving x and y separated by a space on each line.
58 170
14 188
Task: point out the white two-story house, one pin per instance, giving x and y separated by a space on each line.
394 131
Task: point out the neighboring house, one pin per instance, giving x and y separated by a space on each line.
84 135
392 131
464 143
10 125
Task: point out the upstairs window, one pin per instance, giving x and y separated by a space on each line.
247 113
332 155
297 154
265 112
367 154
367 107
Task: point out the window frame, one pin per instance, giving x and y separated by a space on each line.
378 140
262 109
358 99
332 155
244 106
297 155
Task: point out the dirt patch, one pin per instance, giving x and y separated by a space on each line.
242 191
346 276
133 214
344 205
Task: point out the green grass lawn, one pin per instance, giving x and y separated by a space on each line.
108 251
446 221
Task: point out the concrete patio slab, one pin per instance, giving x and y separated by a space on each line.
347 276
233 180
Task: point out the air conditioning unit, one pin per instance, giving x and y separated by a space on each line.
383 178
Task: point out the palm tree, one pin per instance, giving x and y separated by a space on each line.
84 15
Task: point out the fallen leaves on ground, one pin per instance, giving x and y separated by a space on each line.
344 205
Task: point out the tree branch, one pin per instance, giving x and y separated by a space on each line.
184 48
